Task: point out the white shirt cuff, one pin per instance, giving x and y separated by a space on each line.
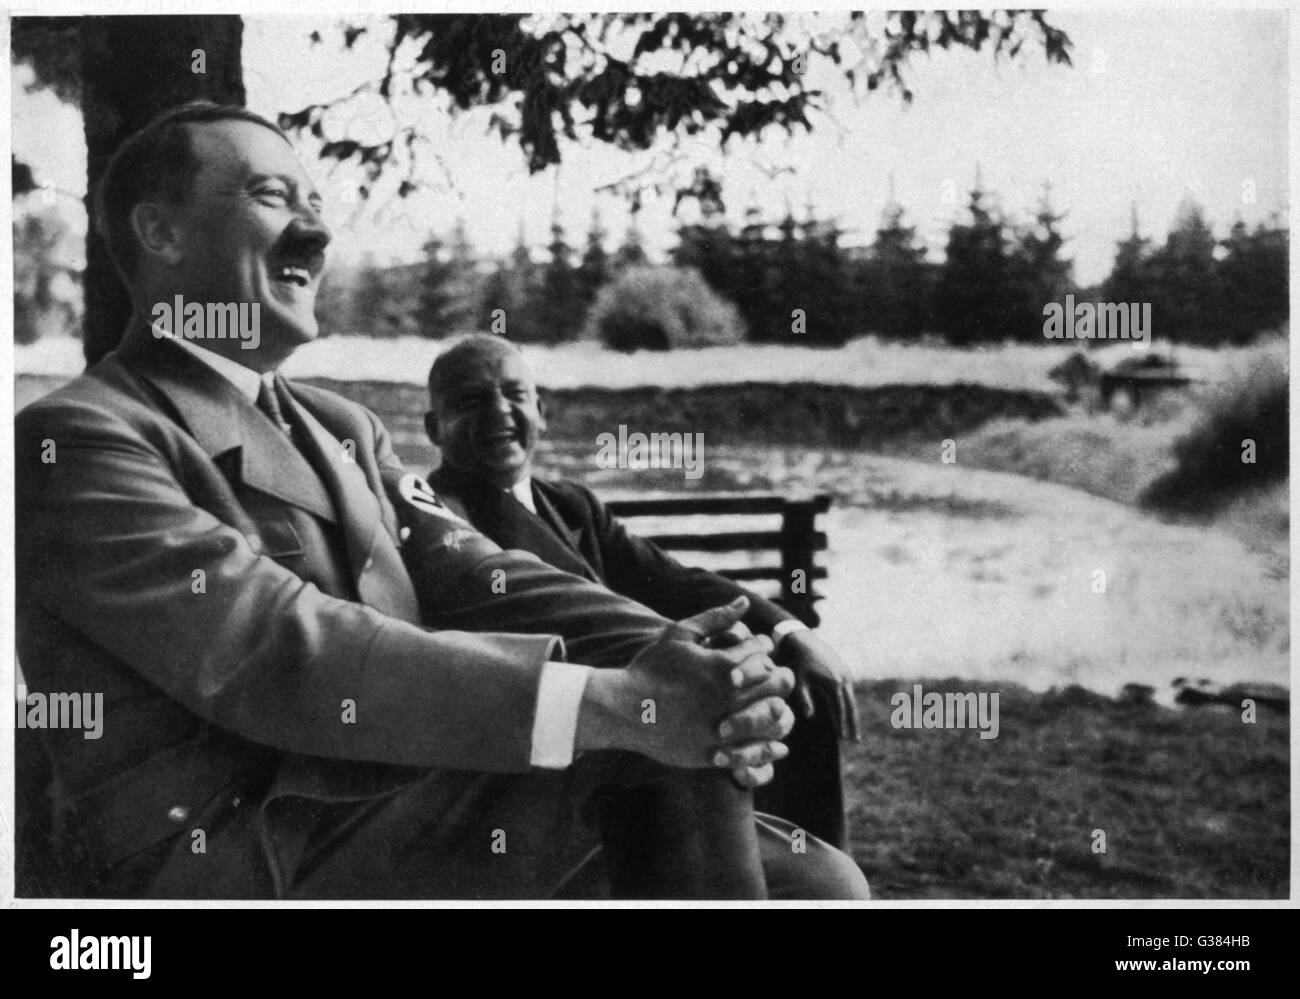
555 726
783 628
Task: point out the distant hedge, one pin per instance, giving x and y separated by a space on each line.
662 308
1245 419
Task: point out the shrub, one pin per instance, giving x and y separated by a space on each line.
662 308
1248 406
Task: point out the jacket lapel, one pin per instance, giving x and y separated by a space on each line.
224 423
357 506
377 569
221 420
547 511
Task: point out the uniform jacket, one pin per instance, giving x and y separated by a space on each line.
242 605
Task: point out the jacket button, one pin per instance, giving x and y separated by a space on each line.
179 814
404 533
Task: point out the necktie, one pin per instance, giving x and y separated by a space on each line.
270 405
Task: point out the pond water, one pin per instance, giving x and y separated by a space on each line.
938 570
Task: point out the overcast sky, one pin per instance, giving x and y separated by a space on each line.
1159 105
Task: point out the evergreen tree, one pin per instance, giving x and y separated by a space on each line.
462 251
335 299
437 292
1131 276
370 305
1186 298
755 284
709 248
630 253
789 284
814 275
1254 277
771 275
1047 277
516 289
895 281
445 304
521 258
497 293
561 307
980 296
594 270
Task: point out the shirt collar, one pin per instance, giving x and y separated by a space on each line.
523 492
248 381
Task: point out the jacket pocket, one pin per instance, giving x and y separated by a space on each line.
154 801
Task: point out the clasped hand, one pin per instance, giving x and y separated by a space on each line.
716 698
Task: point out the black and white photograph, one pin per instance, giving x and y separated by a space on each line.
650 457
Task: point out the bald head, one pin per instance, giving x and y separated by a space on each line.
466 353
484 413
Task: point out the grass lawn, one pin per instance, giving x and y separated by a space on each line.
1193 802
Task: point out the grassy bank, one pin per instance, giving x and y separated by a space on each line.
1194 803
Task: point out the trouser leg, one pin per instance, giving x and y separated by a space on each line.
796 866
808 788
804 867
688 835
666 833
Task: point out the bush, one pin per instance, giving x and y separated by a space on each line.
662 308
1211 473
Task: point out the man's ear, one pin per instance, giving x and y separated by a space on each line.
541 414
432 428
157 232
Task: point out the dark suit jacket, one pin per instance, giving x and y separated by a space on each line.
234 598
574 531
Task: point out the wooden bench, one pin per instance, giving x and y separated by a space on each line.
797 542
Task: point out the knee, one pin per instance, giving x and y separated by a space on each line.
837 876
816 870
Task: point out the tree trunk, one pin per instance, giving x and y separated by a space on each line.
134 67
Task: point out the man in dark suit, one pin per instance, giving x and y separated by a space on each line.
218 552
486 418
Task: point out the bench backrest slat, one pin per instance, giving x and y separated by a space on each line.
797 541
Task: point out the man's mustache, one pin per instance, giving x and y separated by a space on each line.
301 248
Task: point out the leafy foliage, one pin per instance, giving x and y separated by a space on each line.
21 176
38 269
630 79
1211 470
123 71
52 47
658 308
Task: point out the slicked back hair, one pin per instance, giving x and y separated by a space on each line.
156 163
